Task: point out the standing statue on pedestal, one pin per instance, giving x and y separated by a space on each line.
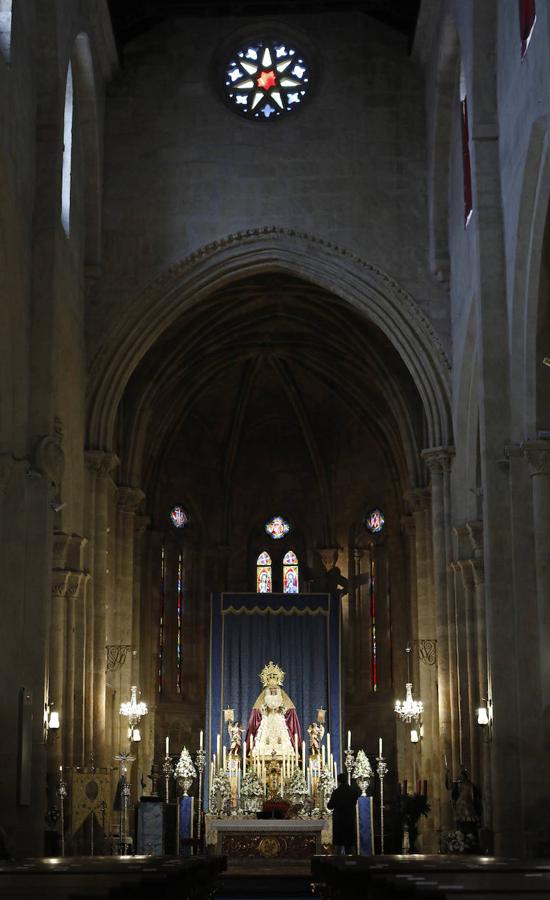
316 733
236 732
273 721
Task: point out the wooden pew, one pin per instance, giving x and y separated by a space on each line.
382 878
110 878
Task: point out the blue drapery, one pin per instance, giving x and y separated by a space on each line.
299 632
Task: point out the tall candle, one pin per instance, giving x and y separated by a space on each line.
167 746
244 760
328 744
379 746
349 740
224 757
335 772
323 755
304 758
201 740
214 762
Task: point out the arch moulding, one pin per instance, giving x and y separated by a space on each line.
362 285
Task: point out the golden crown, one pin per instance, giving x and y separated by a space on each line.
271 673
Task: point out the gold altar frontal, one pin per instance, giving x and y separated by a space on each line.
246 837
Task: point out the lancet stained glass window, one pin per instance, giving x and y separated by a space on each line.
179 611
263 573
290 573
277 527
162 593
266 79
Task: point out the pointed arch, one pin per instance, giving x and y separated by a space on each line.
363 286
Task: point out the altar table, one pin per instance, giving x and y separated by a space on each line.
236 836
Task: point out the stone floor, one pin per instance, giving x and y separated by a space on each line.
257 879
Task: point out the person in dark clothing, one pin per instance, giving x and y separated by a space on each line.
343 803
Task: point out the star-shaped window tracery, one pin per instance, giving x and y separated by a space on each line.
266 79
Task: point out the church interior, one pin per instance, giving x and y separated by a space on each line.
274 427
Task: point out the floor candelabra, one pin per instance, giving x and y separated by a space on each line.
62 794
381 770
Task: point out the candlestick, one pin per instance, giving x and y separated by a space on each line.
167 771
200 762
62 793
381 770
349 757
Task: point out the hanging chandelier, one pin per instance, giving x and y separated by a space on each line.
409 709
133 710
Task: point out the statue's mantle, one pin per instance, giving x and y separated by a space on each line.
267 838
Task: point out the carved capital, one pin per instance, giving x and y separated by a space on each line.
49 458
329 556
538 457
438 458
100 461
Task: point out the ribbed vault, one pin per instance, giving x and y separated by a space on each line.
257 361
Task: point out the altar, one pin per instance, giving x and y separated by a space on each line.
246 837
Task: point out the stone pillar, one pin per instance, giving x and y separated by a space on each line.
129 500
100 464
419 501
538 457
438 461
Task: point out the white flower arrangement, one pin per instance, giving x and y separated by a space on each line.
250 786
326 782
220 787
297 786
184 766
362 767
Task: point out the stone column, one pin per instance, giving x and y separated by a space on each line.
129 500
438 461
100 464
538 457
419 501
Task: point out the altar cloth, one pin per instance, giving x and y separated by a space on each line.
236 836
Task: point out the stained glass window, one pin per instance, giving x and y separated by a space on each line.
263 573
179 614
162 593
374 521
266 79
290 573
277 527
527 19
178 517
5 27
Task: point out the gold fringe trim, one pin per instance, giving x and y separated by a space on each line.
280 611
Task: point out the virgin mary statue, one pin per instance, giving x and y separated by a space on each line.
273 722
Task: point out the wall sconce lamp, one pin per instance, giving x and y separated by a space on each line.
51 718
484 716
417 734
136 735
